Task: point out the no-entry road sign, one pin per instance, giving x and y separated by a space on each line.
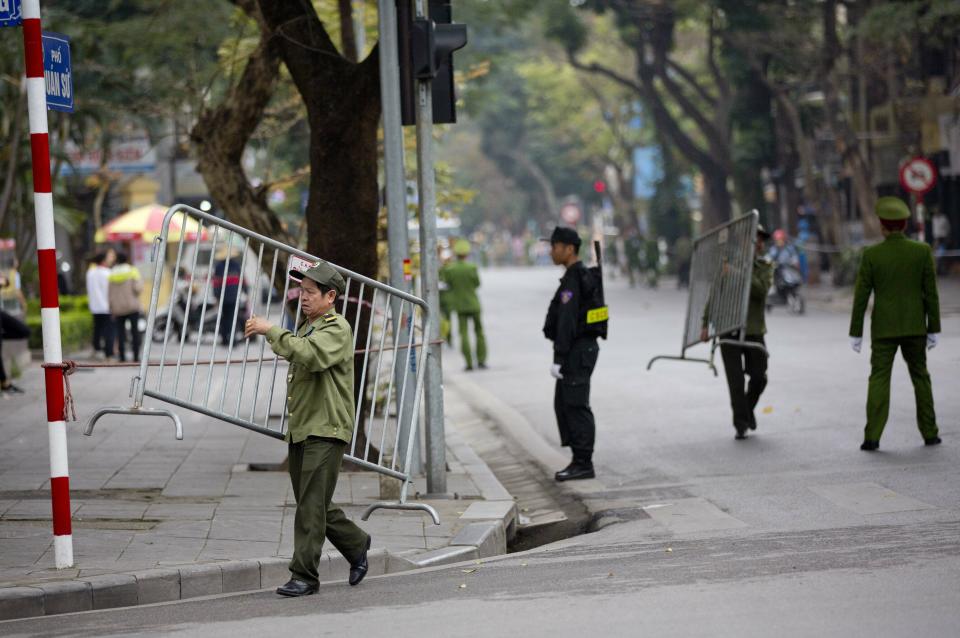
918 175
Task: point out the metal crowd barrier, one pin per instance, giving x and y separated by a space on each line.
721 270
205 364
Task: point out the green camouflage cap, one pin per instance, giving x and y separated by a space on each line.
892 209
322 273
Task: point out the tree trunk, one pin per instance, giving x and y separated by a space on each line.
855 164
717 207
546 187
220 136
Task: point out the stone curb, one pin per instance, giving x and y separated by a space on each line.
516 427
487 527
206 579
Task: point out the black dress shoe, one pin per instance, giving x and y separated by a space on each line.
753 422
870 446
359 569
296 587
934 440
575 472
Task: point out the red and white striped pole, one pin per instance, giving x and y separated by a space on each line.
49 298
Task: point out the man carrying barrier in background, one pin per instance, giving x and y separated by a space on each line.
745 361
321 411
906 315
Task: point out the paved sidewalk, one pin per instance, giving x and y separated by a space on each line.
159 519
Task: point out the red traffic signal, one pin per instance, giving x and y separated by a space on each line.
599 186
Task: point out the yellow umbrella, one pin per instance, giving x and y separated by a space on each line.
144 224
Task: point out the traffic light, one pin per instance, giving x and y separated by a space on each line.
426 53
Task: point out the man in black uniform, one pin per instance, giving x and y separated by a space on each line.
574 355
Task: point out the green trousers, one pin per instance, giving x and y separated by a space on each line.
883 352
462 318
314 466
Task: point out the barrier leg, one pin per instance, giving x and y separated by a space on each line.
709 361
88 429
402 506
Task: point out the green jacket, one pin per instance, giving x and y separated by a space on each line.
462 282
320 380
761 278
760 282
900 274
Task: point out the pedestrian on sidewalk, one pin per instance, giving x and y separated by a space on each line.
462 281
906 315
10 328
320 410
98 300
229 285
575 353
124 297
740 362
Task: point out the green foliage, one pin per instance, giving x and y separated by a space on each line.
76 323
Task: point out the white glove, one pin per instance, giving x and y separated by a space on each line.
856 343
555 371
932 340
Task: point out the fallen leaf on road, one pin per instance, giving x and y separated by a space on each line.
610 575
669 550
469 571
768 409
523 564
463 585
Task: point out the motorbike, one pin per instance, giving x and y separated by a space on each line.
176 312
785 290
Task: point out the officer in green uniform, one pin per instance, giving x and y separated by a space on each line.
321 412
906 316
740 362
462 282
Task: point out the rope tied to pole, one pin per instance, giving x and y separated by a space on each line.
69 407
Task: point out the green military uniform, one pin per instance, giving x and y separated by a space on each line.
462 281
320 415
906 308
740 362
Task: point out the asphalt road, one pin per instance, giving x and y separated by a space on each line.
793 532
877 581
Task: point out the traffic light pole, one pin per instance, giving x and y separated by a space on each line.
436 442
395 189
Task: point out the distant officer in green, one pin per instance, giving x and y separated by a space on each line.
906 316
462 282
740 362
321 412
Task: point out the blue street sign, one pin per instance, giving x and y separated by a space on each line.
57 73
10 14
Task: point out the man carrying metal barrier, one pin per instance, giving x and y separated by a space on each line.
320 406
740 361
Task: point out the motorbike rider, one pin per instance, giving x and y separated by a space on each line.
782 252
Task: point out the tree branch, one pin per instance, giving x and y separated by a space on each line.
692 82
593 67
715 137
718 77
348 39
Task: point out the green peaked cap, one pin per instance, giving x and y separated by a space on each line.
892 209
322 273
